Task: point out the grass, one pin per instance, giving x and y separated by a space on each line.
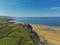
14 34
2 21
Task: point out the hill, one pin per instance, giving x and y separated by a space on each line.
14 34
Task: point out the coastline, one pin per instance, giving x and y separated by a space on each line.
45 26
47 34
38 25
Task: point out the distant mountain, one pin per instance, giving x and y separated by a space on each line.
8 18
5 17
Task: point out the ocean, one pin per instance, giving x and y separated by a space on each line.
49 21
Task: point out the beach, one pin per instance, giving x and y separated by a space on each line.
48 34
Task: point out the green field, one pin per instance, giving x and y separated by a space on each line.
13 34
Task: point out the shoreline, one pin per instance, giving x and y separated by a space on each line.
50 34
38 25
53 27
46 26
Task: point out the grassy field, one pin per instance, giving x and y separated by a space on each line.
13 34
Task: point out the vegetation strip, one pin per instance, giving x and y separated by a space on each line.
7 32
19 41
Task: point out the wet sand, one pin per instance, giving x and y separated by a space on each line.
48 34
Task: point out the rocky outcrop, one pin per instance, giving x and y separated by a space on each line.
35 36
32 33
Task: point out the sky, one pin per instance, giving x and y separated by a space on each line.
30 8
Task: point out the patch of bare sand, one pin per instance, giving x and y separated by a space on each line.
50 34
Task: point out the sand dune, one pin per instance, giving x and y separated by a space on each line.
49 34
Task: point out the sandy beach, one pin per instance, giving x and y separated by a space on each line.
48 34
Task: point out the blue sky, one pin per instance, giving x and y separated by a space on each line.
30 8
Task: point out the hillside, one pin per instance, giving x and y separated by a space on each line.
14 34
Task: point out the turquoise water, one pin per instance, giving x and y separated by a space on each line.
50 21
